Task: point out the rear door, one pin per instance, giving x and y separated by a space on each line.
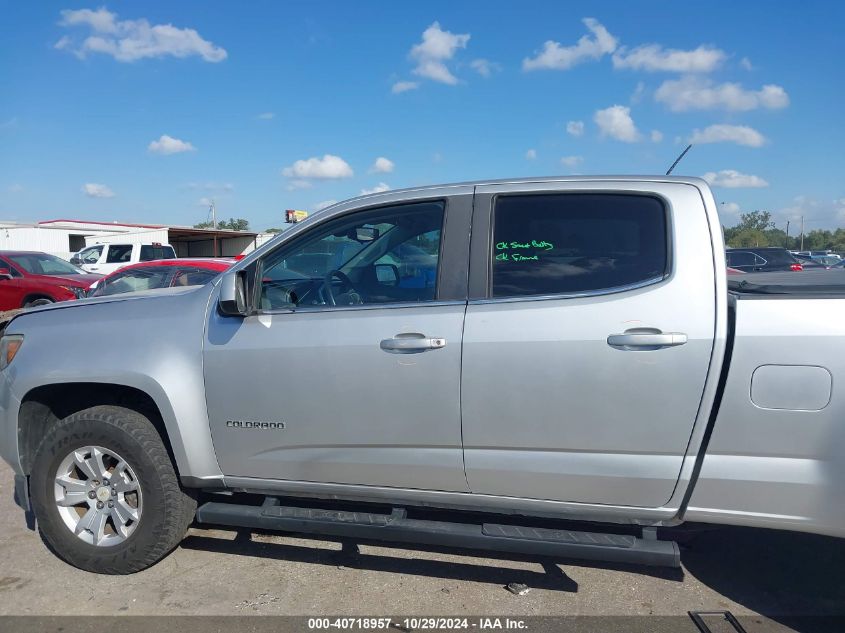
587 340
116 256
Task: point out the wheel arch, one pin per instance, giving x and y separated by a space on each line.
33 296
47 403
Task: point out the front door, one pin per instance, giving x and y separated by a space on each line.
587 349
350 371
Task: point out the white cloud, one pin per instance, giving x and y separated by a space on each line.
817 213
328 167
298 183
746 63
102 20
94 190
531 154
15 188
638 93
696 93
484 67
382 165
404 86
654 58
729 207
656 136
266 116
571 161
437 47
325 203
733 179
204 202
379 188
557 57
575 128
616 122
169 145
723 133
211 185
131 40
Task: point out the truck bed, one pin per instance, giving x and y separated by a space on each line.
808 283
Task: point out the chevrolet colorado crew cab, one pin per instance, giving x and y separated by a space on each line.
546 366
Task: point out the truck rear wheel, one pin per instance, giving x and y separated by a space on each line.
105 493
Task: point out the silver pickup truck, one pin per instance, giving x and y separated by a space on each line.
546 366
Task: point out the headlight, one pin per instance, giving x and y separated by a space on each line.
9 346
79 293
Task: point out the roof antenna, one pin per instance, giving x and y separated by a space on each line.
678 159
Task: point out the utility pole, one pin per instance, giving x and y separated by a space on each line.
214 227
786 246
802 233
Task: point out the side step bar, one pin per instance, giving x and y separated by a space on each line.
514 539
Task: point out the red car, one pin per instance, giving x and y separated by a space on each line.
30 278
161 273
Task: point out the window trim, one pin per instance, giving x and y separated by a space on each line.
490 234
438 300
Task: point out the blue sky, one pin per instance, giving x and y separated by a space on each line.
141 111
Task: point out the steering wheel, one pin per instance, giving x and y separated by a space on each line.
345 285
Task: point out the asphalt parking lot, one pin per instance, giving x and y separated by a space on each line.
773 575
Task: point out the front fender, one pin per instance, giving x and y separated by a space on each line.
153 345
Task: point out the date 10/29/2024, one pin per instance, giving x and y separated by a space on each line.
505 250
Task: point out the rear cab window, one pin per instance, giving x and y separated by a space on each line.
574 243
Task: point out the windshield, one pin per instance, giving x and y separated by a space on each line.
44 264
150 278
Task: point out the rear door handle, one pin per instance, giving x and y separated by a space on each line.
411 343
646 340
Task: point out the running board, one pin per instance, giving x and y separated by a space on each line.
514 539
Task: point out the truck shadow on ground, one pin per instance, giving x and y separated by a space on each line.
551 578
777 574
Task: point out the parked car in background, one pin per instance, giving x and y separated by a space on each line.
163 273
768 259
809 262
107 258
29 279
815 254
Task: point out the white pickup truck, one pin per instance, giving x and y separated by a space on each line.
473 365
104 259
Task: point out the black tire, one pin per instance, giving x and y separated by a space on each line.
167 509
40 301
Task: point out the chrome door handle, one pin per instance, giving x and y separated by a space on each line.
411 343
646 339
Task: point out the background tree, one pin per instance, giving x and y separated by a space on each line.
231 224
758 229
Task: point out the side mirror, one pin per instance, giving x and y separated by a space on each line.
387 274
76 260
5 273
232 299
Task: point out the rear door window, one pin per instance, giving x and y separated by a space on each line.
552 244
150 252
741 258
119 254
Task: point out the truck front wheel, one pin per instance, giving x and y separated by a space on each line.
105 492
